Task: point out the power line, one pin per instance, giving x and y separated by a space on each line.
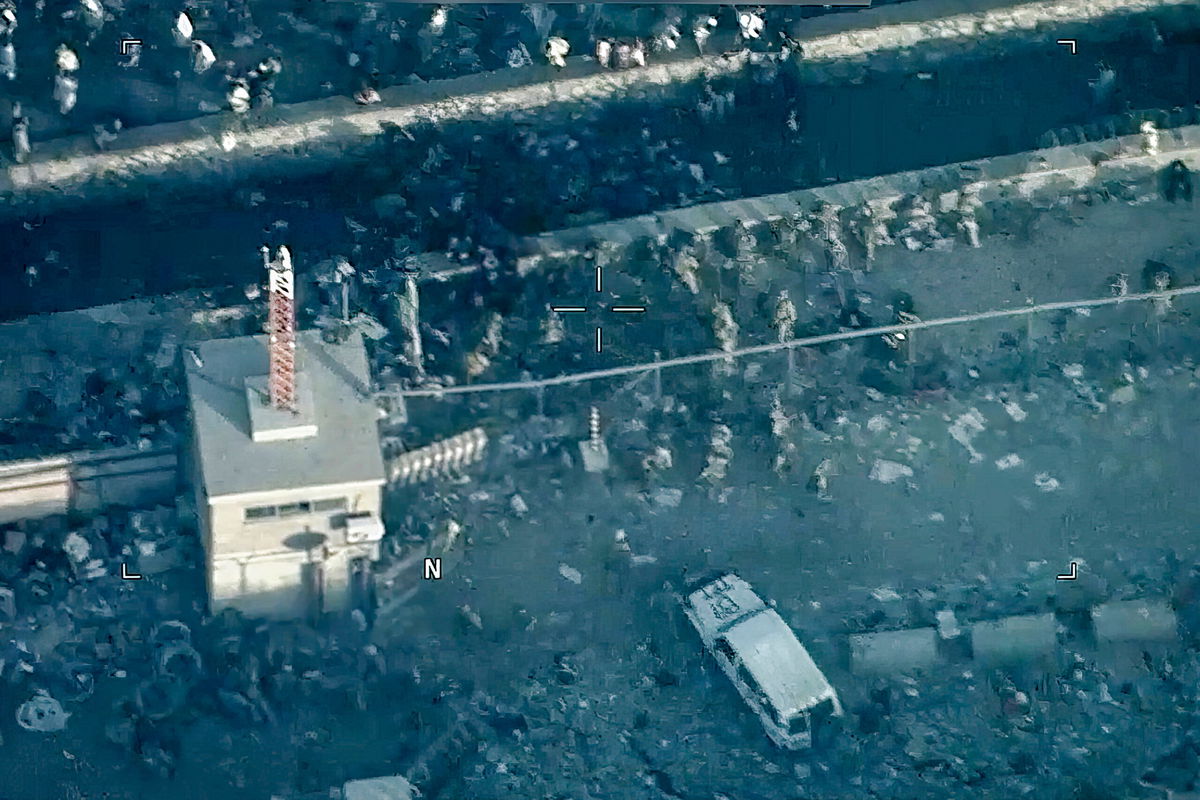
808 341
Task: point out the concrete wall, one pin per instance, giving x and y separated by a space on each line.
1038 178
1123 621
87 482
306 138
276 584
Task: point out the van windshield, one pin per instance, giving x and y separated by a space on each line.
797 724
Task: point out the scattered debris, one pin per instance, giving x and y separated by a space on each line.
1045 482
42 713
886 471
964 430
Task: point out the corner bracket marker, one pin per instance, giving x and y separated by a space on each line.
1070 576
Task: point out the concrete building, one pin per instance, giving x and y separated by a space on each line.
287 493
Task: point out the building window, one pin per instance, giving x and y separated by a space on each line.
255 513
295 509
259 513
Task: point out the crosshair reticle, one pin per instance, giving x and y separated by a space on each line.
613 309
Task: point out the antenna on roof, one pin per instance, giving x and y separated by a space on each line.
281 329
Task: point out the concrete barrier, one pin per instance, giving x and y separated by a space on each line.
87 482
1014 640
1124 621
893 652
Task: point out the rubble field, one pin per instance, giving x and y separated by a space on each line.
553 661
861 486
1022 449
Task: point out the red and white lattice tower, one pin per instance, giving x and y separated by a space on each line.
281 330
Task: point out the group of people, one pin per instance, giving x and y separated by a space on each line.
84 20
250 90
617 53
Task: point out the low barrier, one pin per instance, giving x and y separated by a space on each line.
1012 641
440 458
87 482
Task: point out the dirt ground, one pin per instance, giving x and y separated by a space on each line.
1101 476
1025 454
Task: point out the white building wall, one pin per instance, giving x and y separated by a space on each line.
260 585
252 567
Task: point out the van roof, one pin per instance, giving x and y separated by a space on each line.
720 603
783 668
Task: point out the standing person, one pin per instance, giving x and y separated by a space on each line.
870 228
750 27
557 49
183 29
1179 182
203 57
827 222
261 81
8 52
968 210
20 135
66 85
1104 89
238 96
604 50
8 19
702 29
8 60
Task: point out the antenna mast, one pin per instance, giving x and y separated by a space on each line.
281 329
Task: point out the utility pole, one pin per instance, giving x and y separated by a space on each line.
409 303
342 274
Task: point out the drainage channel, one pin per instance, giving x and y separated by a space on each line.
422 188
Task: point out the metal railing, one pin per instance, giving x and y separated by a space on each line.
807 341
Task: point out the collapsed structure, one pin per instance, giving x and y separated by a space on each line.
286 466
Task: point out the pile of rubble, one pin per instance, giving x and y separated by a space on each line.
116 604
71 617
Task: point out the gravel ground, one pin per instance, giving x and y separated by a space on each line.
637 694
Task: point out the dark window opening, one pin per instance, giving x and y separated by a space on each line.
261 512
294 509
745 677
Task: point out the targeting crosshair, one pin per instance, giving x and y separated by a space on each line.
613 309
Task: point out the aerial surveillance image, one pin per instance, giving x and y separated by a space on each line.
502 401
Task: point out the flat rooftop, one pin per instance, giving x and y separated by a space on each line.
345 447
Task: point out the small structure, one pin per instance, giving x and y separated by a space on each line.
286 467
894 652
1135 621
1022 639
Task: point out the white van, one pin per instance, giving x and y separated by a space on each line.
772 671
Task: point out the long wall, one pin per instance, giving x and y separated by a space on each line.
307 137
1039 178
87 482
